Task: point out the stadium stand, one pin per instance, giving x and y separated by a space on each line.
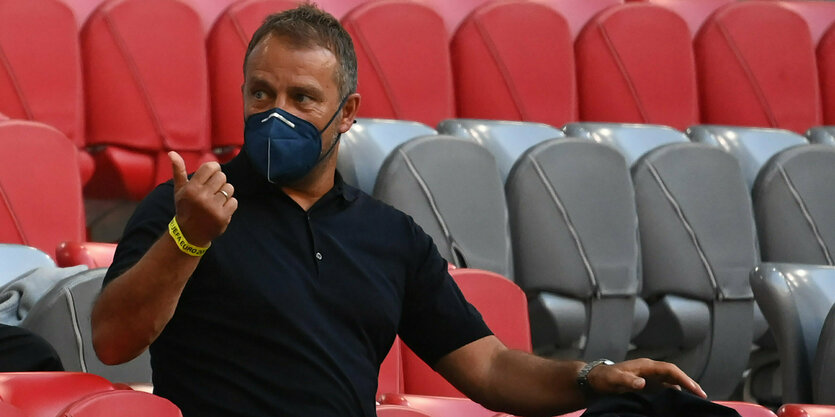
226 47
40 78
824 135
147 93
515 61
578 12
392 39
506 140
631 72
364 148
694 12
742 81
467 218
32 192
504 308
573 226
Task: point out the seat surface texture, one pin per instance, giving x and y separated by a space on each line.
632 140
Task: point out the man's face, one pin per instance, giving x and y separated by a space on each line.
301 81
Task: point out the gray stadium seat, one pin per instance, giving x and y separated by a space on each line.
632 140
794 199
698 245
823 368
451 187
506 140
575 244
752 146
825 135
796 299
366 145
17 260
62 317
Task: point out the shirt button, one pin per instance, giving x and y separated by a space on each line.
319 256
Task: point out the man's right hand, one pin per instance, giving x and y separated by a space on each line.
204 203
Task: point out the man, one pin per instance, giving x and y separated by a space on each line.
278 290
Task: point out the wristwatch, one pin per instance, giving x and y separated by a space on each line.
583 375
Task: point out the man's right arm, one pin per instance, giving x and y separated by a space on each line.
134 308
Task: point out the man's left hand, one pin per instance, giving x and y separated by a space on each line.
634 375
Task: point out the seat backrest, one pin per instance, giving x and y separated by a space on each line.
629 71
824 135
632 140
62 317
694 12
146 90
452 188
793 199
504 139
826 72
795 300
19 259
503 306
366 145
753 147
41 76
515 61
454 12
403 61
125 403
756 67
82 9
819 15
209 10
46 394
578 12
823 388
339 8
390 377
40 185
226 47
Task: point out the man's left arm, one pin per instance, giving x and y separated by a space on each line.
520 383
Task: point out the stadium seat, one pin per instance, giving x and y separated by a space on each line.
746 409
399 411
698 243
826 70
632 140
632 72
806 410
40 186
339 8
506 140
819 15
366 145
46 394
390 377
403 61
8 410
438 406
209 10
41 76
147 94
504 308
796 300
793 199
515 61
226 47
823 374
753 147
573 227
756 67
124 403
578 12
82 9
92 254
824 135
62 317
467 218
694 12
19 259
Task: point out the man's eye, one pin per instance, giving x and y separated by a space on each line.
259 95
302 98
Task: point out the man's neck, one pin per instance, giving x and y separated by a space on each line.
310 189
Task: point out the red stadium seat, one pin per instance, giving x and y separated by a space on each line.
806 410
46 394
339 8
122 403
747 409
399 411
40 189
826 70
454 12
403 61
92 254
82 9
8 410
756 67
694 12
40 78
147 93
819 15
515 61
578 12
629 71
226 46
390 379
209 10
441 406
505 310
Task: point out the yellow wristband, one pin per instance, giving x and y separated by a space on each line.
182 243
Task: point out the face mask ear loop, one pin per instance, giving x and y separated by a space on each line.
339 135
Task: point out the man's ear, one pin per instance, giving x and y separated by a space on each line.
349 112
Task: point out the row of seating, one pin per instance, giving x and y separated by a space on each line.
126 95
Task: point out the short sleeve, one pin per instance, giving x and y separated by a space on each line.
148 222
436 318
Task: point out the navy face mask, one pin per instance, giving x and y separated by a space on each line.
282 147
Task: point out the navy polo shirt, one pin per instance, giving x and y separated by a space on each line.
290 313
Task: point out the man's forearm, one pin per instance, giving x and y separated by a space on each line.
134 308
